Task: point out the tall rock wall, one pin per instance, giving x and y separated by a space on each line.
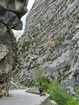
50 41
10 13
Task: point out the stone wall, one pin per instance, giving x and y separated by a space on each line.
45 101
51 42
10 13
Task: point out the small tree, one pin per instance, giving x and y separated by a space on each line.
40 78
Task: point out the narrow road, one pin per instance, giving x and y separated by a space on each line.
20 97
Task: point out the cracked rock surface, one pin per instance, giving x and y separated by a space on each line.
51 42
11 12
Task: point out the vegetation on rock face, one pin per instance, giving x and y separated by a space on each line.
16 80
51 41
57 92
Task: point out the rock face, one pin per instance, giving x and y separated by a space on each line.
51 41
10 13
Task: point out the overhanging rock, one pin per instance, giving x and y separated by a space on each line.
11 12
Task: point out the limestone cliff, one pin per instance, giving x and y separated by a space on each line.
50 41
10 13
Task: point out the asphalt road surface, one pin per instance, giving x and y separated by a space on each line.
20 97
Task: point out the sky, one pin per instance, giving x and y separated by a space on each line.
19 33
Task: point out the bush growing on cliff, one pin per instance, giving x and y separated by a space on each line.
57 93
60 95
72 101
41 79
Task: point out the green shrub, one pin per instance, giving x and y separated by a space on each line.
77 89
44 81
57 93
41 79
72 101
